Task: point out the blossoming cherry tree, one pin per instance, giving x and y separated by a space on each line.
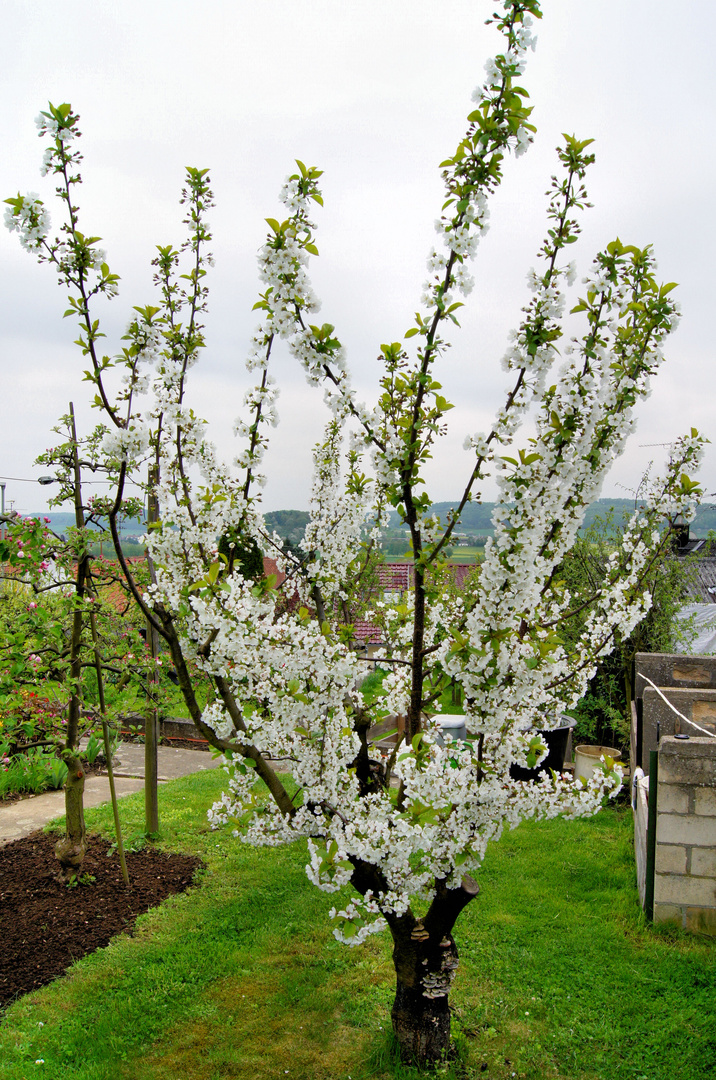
407 833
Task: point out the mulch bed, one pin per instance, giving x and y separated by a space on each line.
186 744
45 926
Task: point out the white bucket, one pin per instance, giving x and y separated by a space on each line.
586 759
452 725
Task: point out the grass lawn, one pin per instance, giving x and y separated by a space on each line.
560 977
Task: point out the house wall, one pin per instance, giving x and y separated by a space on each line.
685 879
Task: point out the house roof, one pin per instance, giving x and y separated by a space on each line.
400 577
112 587
271 567
367 633
396 577
701 588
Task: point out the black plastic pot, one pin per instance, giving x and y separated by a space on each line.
557 748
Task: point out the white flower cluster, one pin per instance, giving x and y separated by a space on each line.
515 671
461 231
47 125
28 217
128 445
217 718
357 921
333 533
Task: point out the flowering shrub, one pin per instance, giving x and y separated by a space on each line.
32 772
408 832
27 719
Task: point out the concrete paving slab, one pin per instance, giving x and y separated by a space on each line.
20 818
129 761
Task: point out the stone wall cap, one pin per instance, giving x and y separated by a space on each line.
695 746
686 693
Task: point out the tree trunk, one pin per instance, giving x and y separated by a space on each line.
426 959
421 1011
70 850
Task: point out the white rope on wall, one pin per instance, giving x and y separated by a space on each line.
674 710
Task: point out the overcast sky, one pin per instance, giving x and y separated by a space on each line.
375 92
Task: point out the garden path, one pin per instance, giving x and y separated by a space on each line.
20 818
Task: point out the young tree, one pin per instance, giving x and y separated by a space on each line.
54 645
405 834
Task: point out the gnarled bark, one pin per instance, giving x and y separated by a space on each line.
425 958
424 970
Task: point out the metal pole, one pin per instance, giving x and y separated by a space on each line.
651 835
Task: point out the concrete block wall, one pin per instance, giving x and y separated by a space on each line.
685 878
675 669
688 683
696 703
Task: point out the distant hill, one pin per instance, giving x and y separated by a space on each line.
287 519
477 517
289 524
60 522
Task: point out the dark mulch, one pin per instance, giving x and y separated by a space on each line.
45 926
186 744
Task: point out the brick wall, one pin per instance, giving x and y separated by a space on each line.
685 880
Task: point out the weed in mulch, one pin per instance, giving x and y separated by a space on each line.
46 926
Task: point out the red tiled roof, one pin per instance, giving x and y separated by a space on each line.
460 572
367 633
114 593
271 567
396 577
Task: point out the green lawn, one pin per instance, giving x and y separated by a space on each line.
240 977
457 555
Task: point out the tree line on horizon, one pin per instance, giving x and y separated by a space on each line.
289 524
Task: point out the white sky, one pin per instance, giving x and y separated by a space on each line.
376 94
